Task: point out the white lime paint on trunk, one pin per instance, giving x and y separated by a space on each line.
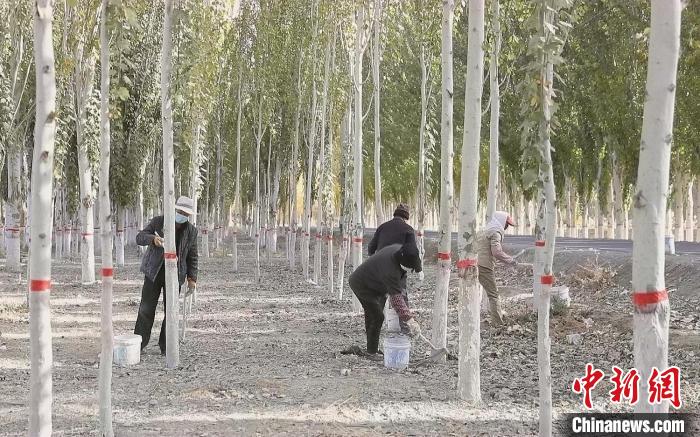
376 56
40 379
651 195
105 225
439 321
469 369
172 356
83 81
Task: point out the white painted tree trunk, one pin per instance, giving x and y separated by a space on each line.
346 143
13 209
326 188
469 369
495 96
172 355
357 194
549 216
651 315
119 243
689 209
237 207
678 195
83 80
376 56
195 163
218 196
439 322
105 377
40 379
619 204
273 205
256 211
58 220
422 187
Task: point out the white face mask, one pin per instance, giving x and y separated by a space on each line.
408 269
179 218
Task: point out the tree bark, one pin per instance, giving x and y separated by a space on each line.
83 81
495 96
40 380
119 244
172 356
237 207
689 207
439 322
105 379
651 315
376 56
357 191
469 369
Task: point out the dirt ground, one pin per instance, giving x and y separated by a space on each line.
264 359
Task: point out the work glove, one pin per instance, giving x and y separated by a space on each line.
421 275
413 327
158 241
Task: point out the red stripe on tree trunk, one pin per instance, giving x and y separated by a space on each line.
464 263
38 285
443 256
107 272
357 240
547 279
539 243
170 255
649 297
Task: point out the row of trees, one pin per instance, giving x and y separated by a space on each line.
228 90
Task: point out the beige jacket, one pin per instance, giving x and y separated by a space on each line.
489 241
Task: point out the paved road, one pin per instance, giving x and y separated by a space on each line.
682 247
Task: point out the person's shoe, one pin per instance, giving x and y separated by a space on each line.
496 312
162 351
375 356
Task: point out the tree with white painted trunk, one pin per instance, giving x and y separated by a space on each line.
546 43
83 81
237 207
259 132
469 370
358 229
172 352
310 148
376 80
495 111
322 162
105 225
294 172
40 379
651 312
439 322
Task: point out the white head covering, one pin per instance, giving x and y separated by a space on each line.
498 221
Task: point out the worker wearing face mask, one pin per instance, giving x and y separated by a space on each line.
153 266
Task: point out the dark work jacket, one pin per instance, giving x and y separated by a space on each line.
395 231
186 243
379 275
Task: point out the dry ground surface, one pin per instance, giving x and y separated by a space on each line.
263 359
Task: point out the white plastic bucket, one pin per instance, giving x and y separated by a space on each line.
127 349
391 319
397 351
561 294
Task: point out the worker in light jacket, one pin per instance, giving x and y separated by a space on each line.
380 276
153 266
489 250
396 231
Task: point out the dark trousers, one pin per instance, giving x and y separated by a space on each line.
147 310
373 306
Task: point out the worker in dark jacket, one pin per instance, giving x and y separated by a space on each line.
153 266
396 231
381 275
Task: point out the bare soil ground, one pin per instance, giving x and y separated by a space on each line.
263 359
